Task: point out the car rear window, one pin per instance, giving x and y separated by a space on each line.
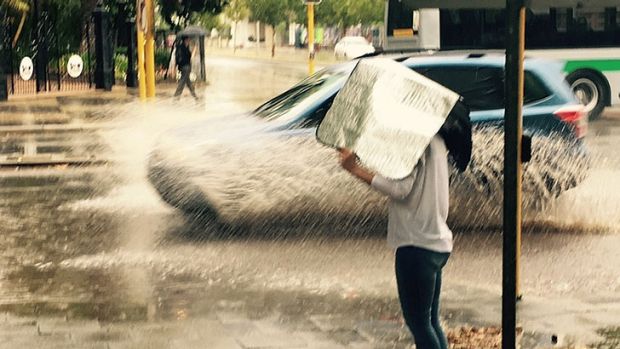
534 90
483 87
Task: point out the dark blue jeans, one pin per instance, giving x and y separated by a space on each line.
418 275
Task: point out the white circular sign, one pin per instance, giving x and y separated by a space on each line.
26 68
75 66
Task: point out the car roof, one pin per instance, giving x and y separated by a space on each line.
550 71
454 58
492 59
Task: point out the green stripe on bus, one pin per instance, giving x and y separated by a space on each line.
596 64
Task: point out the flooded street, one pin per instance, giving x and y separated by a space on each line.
92 255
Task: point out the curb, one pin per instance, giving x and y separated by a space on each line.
53 127
50 160
611 113
273 60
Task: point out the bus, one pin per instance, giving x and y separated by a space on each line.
586 39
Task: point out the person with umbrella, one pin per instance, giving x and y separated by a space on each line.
183 59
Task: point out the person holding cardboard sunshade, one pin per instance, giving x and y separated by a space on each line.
403 126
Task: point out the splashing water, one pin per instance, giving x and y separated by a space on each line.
255 178
231 169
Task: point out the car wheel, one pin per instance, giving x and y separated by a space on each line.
207 220
591 89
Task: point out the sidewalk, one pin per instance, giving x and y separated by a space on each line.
228 326
282 54
224 330
24 120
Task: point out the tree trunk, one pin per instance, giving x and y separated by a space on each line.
257 38
235 38
19 29
273 43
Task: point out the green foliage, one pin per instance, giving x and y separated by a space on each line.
237 10
162 55
70 23
16 5
177 13
281 30
65 24
295 11
344 13
120 10
64 59
209 21
225 31
271 12
120 66
120 50
88 62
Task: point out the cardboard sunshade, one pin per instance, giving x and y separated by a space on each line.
387 114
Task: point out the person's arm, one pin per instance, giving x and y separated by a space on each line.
397 189
348 161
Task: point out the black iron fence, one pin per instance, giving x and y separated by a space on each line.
42 62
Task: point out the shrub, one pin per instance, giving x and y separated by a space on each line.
120 66
162 55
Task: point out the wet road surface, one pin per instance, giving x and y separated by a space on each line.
94 243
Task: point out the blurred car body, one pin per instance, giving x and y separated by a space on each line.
221 147
351 47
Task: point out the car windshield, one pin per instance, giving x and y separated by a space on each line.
306 92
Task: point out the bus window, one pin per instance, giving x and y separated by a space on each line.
400 18
545 29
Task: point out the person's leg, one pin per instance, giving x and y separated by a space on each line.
416 279
181 85
435 321
190 84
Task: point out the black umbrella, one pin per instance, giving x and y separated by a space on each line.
192 31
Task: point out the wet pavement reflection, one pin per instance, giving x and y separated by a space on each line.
96 242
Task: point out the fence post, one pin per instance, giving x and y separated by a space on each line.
4 58
41 57
203 73
89 55
58 51
132 79
104 68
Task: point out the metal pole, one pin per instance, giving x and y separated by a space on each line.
257 38
4 58
36 55
311 38
149 49
11 58
90 63
201 46
140 44
58 52
515 12
131 54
